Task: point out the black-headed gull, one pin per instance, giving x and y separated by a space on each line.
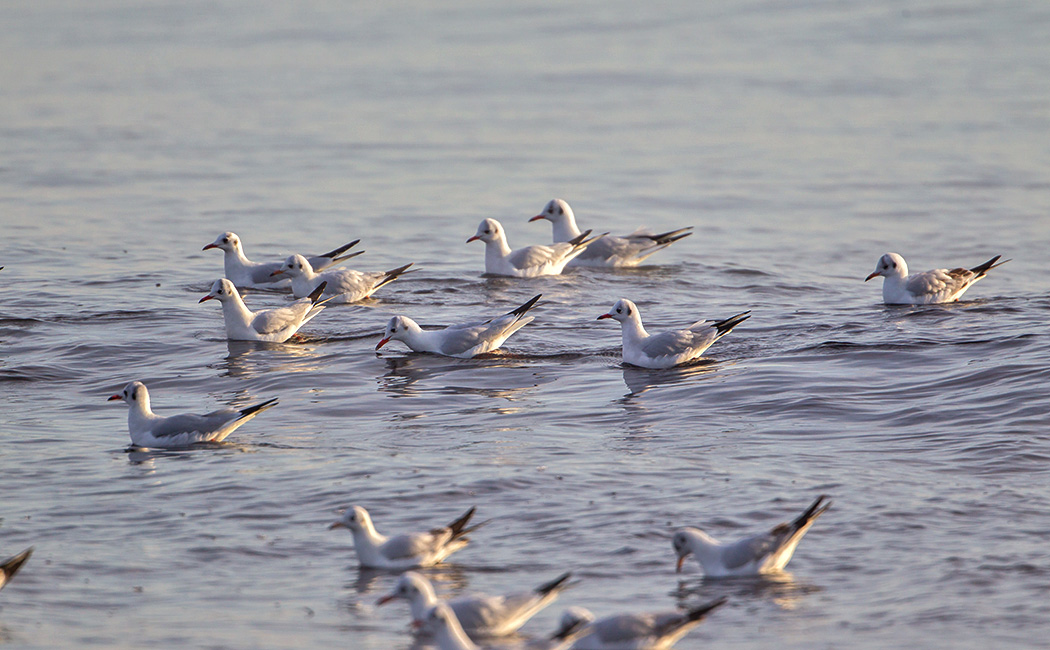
609 251
928 287
273 325
765 552
405 551
528 262
151 430
245 273
671 348
344 285
10 566
480 615
464 340
651 631
449 634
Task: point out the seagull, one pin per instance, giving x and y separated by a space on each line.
243 272
465 340
671 348
273 325
151 430
928 287
10 566
626 251
344 285
480 614
528 262
653 631
765 552
405 551
449 634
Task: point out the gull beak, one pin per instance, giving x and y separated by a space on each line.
536 218
209 247
382 342
873 275
114 397
678 567
277 272
417 624
385 599
474 238
604 316
337 524
207 297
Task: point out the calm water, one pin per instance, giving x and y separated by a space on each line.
802 140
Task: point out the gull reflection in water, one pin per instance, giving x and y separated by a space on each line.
499 375
289 358
640 380
781 588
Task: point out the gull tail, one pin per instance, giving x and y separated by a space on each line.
811 513
700 612
520 311
337 254
315 295
723 327
671 236
459 527
555 585
252 411
11 565
580 241
392 275
981 269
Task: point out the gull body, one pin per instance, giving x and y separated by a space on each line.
610 251
463 340
666 349
342 285
766 552
528 262
927 287
273 325
449 634
10 566
480 615
148 429
405 551
245 273
649 631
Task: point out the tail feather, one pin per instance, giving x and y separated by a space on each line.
554 585
520 311
335 254
11 565
459 526
257 408
671 236
703 610
811 513
392 275
981 269
315 295
581 241
725 326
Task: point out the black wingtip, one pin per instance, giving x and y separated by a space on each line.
981 269
671 236
342 249
459 526
553 585
812 512
725 326
520 311
315 295
11 565
703 610
256 408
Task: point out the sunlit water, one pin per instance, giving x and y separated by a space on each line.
802 140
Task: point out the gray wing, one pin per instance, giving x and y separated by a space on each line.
624 627
937 280
751 550
271 321
415 544
460 338
262 272
677 341
530 256
190 423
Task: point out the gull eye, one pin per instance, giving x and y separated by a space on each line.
894 265
226 240
619 311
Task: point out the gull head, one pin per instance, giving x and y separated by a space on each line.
221 290
227 241
682 549
355 519
413 587
622 311
556 210
572 619
397 329
295 266
889 265
488 230
133 394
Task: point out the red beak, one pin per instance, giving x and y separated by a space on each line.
474 238
678 567
604 316
277 272
385 599
209 246
873 275
536 218
115 397
207 297
382 342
